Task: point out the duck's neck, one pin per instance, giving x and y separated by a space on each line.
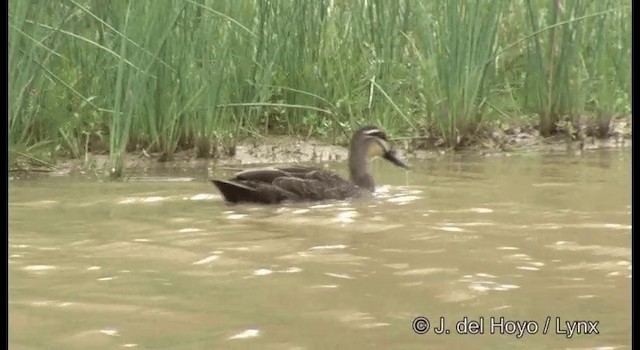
359 170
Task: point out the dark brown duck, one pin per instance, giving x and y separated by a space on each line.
297 184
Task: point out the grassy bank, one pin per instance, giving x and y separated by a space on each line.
96 76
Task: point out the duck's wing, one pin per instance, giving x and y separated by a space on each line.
274 185
259 185
300 171
268 175
316 185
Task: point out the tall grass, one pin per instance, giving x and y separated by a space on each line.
571 68
459 47
554 75
117 76
607 61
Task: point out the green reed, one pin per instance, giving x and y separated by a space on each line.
119 76
607 61
574 60
458 49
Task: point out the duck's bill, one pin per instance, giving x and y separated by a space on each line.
393 158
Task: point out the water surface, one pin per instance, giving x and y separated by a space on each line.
161 264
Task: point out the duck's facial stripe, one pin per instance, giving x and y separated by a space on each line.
372 131
375 133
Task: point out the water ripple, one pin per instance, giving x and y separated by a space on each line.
248 333
152 199
207 259
620 252
480 283
339 275
38 268
325 247
110 332
425 271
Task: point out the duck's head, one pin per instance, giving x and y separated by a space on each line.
367 143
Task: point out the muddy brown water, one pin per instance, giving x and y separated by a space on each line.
519 245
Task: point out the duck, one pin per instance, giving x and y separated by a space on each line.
276 185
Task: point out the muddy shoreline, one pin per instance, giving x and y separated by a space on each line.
289 149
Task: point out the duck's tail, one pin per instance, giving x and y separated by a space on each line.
237 192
